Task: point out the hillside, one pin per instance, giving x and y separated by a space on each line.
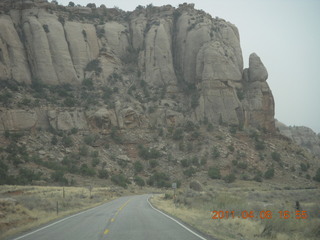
154 96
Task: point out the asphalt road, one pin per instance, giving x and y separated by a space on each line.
126 218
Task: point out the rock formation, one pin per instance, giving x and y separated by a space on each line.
181 57
302 136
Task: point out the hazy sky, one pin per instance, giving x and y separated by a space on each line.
286 36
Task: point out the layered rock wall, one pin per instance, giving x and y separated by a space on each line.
176 49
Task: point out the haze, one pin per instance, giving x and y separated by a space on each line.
286 36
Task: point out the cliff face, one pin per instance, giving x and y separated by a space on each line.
302 136
167 65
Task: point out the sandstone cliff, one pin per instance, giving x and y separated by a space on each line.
302 136
165 65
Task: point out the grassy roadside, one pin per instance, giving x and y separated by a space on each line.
26 207
195 209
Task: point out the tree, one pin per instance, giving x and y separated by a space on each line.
71 4
138 167
214 173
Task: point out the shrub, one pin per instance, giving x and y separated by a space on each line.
177 134
159 180
94 65
88 83
317 176
269 173
148 153
69 102
86 171
103 174
214 173
259 145
153 163
231 148
276 156
304 167
115 136
242 165
54 140
203 161
233 129
138 167
89 140
67 141
58 176
210 127
46 28
189 172
185 163
95 162
258 176
139 181
229 178
3 172
215 153
120 180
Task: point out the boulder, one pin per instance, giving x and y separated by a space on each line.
196 186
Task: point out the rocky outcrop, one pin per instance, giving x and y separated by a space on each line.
193 59
258 101
301 135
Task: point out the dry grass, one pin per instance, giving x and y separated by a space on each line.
195 209
38 205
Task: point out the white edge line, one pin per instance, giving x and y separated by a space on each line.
54 223
185 227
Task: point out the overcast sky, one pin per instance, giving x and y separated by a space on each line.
286 36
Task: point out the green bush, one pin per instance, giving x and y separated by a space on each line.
89 139
148 153
258 176
195 161
178 134
87 83
153 163
67 141
215 153
185 163
103 174
269 173
138 167
276 156
54 140
86 171
304 167
242 165
231 148
229 178
120 180
95 162
139 181
159 180
94 65
214 173
189 172
58 176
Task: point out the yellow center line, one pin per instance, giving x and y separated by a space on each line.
116 214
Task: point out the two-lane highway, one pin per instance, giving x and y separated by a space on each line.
126 218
